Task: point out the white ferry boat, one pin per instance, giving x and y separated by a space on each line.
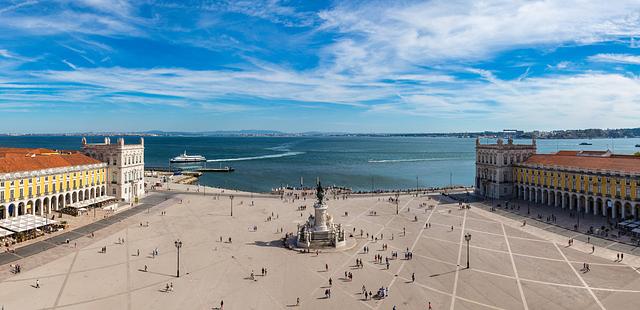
184 158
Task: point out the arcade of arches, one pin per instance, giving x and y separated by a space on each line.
46 204
583 203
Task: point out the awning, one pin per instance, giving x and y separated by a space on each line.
25 222
5 233
92 201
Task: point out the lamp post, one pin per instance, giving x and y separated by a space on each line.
467 237
231 197
397 203
178 245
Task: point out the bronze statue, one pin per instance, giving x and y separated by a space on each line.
319 192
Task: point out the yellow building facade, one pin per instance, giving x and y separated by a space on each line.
599 183
39 181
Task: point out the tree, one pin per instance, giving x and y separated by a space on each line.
636 154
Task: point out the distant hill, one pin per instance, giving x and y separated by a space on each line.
516 134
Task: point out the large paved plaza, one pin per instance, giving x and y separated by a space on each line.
512 267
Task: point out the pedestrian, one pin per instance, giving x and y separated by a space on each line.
166 289
171 287
413 277
326 267
138 252
621 256
297 301
145 268
221 304
430 306
37 283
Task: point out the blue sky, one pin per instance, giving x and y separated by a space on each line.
357 66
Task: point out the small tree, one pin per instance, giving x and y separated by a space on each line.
636 154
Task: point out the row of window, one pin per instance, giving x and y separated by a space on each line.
507 159
594 184
94 174
30 190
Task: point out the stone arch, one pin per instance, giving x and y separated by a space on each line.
3 211
617 209
46 204
552 199
103 190
80 195
29 207
74 197
86 194
558 199
582 204
12 210
591 206
600 206
636 211
627 209
545 197
67 199
92 194
38 207
21 208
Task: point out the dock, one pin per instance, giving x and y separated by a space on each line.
206 169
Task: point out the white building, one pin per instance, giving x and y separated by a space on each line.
125 167
495 164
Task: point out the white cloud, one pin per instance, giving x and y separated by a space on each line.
5 53
16 6
616 58
435 32
581 101
72 66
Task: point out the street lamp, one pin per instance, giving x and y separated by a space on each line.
467 237
231 197
178 245
397 203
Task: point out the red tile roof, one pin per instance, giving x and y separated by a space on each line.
571 159
24 159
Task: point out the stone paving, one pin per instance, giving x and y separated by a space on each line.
512 267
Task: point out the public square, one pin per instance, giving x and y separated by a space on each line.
511 266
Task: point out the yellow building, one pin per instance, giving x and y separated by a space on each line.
39 181
596 182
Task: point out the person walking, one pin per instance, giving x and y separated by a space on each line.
37 283
330 282
413 277
297 302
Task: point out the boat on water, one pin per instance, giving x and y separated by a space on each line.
184 158
585 143
637 145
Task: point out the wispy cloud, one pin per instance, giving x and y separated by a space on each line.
72 66
616 58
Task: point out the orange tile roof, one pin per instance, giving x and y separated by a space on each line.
619 163
25 159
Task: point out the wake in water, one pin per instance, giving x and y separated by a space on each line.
255 157
405 160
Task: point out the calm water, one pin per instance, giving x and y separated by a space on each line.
361 163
